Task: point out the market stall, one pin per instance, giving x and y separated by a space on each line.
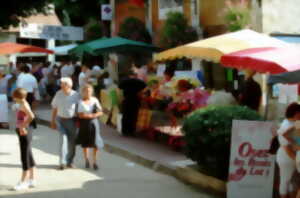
272 61
7 49
212 49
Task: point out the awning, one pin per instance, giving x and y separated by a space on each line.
87 47
114 44
64 49
287 77
213 48
8 48
265 60
289 39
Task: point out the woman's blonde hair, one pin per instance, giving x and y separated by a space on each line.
86 86
19 93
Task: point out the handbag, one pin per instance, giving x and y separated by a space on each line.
274 145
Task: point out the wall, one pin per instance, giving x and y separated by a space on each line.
6 37
126 9
211 17
157 23
281 16
256 15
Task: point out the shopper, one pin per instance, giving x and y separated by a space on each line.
132 89
89 110
63 112
250 92
24 132
285 156
28 82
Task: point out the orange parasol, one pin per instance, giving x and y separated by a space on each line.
14 48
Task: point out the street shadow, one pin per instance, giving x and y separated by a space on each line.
88 190
4 165
5 153
102 188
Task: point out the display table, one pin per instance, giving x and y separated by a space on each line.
159 126
3 109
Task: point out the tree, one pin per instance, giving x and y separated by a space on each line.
176 31
80 12
12 11
93 30
237 15
134 29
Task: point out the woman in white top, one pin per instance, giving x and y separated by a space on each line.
285 156
89 109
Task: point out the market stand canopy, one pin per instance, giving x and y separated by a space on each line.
63 50
87 48
213 48
265 60
287 77
114 44
14 48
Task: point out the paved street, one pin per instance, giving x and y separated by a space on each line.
117 177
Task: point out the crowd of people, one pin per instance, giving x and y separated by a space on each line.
74 111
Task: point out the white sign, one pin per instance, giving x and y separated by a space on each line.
251 170
166 6
186 74
4 108
106 12
40 31
288 93
161 69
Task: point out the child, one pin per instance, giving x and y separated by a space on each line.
24 118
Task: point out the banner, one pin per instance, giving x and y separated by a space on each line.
40 31
251 171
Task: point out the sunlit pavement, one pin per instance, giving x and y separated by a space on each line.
117 177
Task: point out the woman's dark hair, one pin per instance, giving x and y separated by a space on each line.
292 109
169 71
25 69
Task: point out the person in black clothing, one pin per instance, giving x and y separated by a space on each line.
251 93
131 87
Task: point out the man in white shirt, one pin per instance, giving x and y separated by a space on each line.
28 82
83 76
96 70
67 70
64 70
63 112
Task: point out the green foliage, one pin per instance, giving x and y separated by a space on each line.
80 12
11 11
134 29
237 16
176 31
208 135
93 30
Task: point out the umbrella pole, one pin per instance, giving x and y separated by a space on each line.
265 96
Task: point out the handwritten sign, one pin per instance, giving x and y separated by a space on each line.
251 171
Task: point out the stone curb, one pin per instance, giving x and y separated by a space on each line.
184 174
